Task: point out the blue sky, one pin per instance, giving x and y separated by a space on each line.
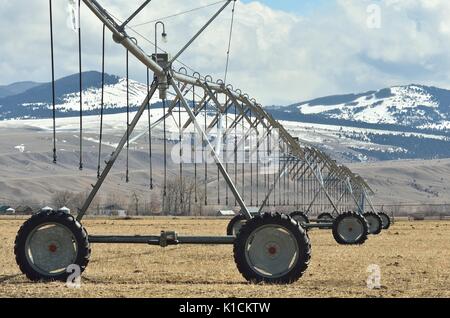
296 6
322 47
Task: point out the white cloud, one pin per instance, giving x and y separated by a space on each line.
277 57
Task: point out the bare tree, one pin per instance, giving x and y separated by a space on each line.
116 198
134 203
396 209
62 198
155 203
180 198
80 198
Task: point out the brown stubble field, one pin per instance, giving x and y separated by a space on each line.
414 258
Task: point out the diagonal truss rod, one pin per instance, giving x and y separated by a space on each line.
283 170
240 201
115 154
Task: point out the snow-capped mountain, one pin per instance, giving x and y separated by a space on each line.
411 106
36 102
401 122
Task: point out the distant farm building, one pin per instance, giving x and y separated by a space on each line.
46 209
416 217
113 210
7 210
226 213
64 209
10 211
3 208
24 210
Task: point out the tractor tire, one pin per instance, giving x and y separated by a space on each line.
300 217
272 248
47 243
350 229
234 226
375 222
385 219
325 217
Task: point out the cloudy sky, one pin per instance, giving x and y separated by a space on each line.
283 51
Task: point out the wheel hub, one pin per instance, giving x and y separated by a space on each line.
350 229
272 250
52 248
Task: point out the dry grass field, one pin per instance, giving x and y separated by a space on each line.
414 258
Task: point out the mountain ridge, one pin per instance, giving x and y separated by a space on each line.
413 105
400 122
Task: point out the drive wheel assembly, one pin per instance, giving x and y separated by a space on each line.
235 224
272 248
300 217
350 229
48 243
374 221
386 220
325 217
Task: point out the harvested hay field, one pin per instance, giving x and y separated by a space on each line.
414 258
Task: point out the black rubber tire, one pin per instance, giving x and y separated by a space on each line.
325 216
338 238
78 231
301 237
379 221
385 217
301 215
230 227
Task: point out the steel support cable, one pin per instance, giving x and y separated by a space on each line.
53 81
295 186
272 152
179 13
303 193
226 150
206 157
269 153
235 148
229 41
298 193
257 166
165 152
251 167
127 177
180 129
288 190
284 177
279 179
149 132
194 105
243 158
101 103
150 41
218 170
81 86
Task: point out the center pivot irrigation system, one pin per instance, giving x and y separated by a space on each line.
268 247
